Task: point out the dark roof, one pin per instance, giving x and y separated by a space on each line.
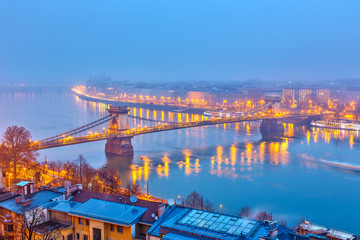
41 198
285 233
50 226
171 212
152 206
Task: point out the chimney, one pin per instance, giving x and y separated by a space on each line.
161 209
19 199
26 202
70 189
272 226
67 184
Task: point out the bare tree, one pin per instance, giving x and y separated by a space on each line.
195 200
133 188
81 160
95 184
50 233
59 164
44 170
261 216
72 169
27 223
52 167
89 173
282 222
110 177
37 177
245 212
208 206
16 148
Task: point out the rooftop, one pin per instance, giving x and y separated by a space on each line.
23 183
152 206
340 234
217 222
285 233
198 224
50 226
171 212
64 206
38 199
117 213
312 227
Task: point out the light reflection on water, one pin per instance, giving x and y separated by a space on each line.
239 159
230 164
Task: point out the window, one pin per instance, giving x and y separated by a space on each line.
111 227
78 236
87 222
86 237
70 237
10 228
81 221
120 229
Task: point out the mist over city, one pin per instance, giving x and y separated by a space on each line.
68 42
179 120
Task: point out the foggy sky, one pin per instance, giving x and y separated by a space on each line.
68 41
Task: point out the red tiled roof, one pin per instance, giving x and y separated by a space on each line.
152 207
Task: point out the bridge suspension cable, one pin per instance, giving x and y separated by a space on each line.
259 108
79 129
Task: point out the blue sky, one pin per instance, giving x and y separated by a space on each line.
68 41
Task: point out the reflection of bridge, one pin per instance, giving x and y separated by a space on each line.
118 133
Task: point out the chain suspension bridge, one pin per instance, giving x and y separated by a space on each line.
119 132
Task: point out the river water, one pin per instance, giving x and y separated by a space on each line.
229 164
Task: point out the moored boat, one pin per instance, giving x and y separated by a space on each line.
212 114
336 125
222 114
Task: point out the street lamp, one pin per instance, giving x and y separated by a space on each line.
9 179
220 207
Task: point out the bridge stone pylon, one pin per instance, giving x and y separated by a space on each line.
119 145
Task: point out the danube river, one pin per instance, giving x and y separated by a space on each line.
229 164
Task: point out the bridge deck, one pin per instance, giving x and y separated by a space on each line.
138 131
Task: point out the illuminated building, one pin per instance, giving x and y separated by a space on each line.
252 94
322 96
228 97
84 215
305 95
200 98
18 205
288 96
